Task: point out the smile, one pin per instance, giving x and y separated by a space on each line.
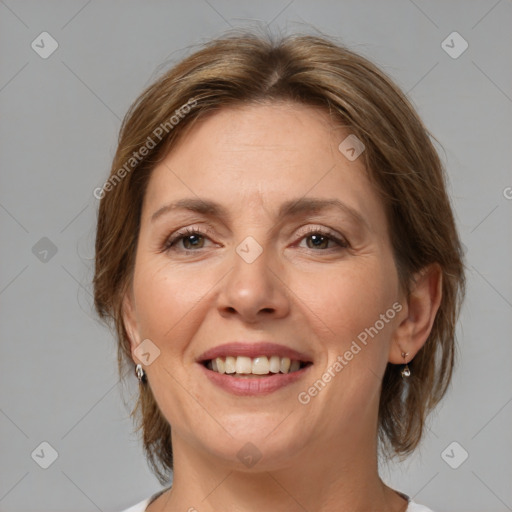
240 366
253 368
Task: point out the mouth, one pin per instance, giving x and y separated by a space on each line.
253 368
244 366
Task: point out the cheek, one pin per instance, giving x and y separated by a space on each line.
165 299
346 320
167 302
348 305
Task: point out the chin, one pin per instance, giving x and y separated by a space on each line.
257 442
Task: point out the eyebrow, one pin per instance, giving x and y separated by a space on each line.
291 208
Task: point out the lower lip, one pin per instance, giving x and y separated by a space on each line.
253 386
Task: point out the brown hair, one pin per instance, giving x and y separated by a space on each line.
401 162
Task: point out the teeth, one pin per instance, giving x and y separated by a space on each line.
230 364
261 365
221 365
275 364
294 366
285 365
243 364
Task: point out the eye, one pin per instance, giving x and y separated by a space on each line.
320 238
192 238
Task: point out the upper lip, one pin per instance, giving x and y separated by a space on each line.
261 348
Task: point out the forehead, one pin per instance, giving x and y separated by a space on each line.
262 154
261 130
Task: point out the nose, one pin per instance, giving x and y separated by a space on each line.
254 291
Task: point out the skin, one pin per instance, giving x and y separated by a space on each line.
316 298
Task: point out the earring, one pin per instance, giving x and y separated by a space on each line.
405 370
140 373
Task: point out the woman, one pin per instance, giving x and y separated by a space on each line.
278 253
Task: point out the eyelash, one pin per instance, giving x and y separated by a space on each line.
184 233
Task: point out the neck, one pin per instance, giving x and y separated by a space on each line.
344 477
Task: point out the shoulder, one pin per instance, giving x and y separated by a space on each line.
139 507
143 505
415 507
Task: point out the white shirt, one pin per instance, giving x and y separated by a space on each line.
141 507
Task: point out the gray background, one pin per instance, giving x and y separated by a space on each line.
58 127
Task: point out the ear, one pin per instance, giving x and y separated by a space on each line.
419 314
130 322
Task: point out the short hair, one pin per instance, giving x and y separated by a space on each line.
400 160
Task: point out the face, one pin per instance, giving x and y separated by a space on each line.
262 244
